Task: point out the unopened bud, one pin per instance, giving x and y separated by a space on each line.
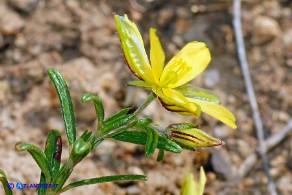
193 138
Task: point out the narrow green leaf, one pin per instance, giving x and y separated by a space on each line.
4 182
183 126
63 174
138 83
168 145
104 179
143 122
138 137
42 191
38 156
151 143
66 104
118 122
96 143
160 155
123 112
121 130
86 135
98 106
53 151
135 137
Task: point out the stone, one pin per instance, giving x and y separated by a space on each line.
287 42
133 190
165 16
284 184
265 29
25 6
222 132
222 164
212 78
10 22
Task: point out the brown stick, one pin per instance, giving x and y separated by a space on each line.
251 94
270 143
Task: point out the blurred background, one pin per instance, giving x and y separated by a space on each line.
79 39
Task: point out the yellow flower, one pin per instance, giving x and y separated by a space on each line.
169 82
192 187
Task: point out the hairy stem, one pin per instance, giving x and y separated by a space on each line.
150 98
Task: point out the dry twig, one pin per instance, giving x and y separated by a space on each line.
270 143
250 91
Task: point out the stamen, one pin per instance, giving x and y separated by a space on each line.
180 69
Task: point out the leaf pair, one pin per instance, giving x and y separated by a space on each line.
141 137
49 160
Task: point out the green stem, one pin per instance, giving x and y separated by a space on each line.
62 176
150 98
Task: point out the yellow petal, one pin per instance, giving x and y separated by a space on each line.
192 187
187 64
188 185
133 48
202 182
157 55
176 102
219 112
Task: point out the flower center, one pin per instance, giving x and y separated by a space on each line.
179 70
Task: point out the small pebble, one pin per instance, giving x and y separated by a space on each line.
212 78
265 29
25 6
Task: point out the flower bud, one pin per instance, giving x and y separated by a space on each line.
80 150
193 138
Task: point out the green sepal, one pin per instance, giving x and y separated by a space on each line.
114 178
132 46
66 104
99 109
4 182
38 156
138 83
152 141
139 137
198 93
119 114
183 125
118 122
160 155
